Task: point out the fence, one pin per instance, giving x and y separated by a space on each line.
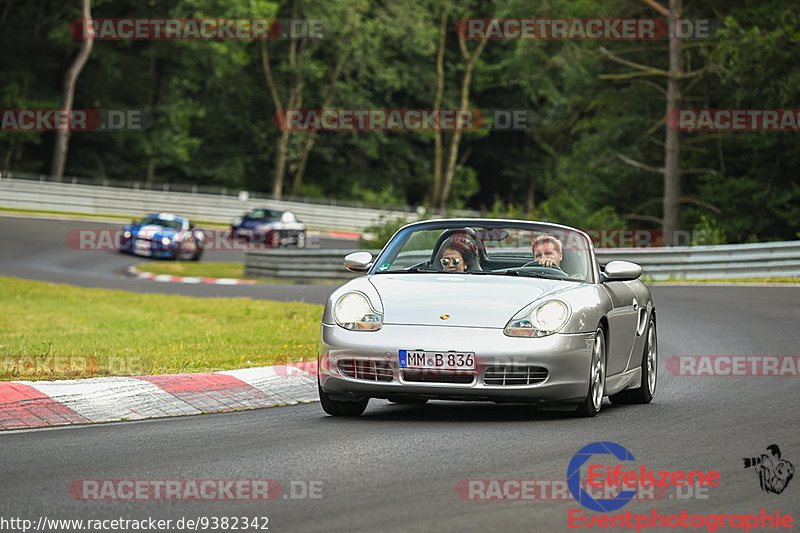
22 192
686 262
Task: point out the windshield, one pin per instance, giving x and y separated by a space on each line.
156 221
489 248
265 214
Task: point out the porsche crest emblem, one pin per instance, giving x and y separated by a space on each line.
444 317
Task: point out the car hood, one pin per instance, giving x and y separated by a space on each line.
469 300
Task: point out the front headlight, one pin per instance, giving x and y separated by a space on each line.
539 321
127 234
166 241
353 311
236 221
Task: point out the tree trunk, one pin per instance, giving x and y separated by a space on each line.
70 79
450 169
529 199
312 135
437 135
280 164
672 170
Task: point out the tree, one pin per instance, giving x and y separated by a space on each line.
70 79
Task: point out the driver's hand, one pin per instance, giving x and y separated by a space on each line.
549 262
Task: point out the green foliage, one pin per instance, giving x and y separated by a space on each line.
378 234
708 231
213 111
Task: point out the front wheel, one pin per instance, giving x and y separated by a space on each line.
339 407
301 239
647 387
597 378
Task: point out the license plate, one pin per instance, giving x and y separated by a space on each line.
438 360
142 248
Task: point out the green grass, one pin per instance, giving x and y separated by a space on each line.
110 332
729 280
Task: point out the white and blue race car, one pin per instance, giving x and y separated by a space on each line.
163 235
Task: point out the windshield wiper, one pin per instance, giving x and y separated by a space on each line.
411 270
526 273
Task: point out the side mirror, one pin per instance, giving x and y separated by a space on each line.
358 261
622 271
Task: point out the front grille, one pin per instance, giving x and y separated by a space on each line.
437 376
514 375
365 369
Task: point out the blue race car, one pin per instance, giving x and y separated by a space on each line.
270 226
163 235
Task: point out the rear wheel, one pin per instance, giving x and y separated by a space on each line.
647 387
597 378
301 239
339 407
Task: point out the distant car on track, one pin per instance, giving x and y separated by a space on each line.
163 235
270 226
460 309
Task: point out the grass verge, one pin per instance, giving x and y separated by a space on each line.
58 331
728 280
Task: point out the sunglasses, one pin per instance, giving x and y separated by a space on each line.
446 261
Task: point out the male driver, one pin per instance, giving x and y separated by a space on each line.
773 472
547 251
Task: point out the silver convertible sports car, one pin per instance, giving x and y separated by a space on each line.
492 310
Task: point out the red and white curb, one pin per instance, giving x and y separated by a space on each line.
30 404
133 271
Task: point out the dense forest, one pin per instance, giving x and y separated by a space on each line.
593 157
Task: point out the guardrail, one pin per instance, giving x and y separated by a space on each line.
27 193
686 262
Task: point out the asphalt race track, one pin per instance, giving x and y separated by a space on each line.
34 248
396 468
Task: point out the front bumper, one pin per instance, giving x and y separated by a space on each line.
566 359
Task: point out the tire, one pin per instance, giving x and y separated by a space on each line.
647 387
407 401
339 407
597 378
301 239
